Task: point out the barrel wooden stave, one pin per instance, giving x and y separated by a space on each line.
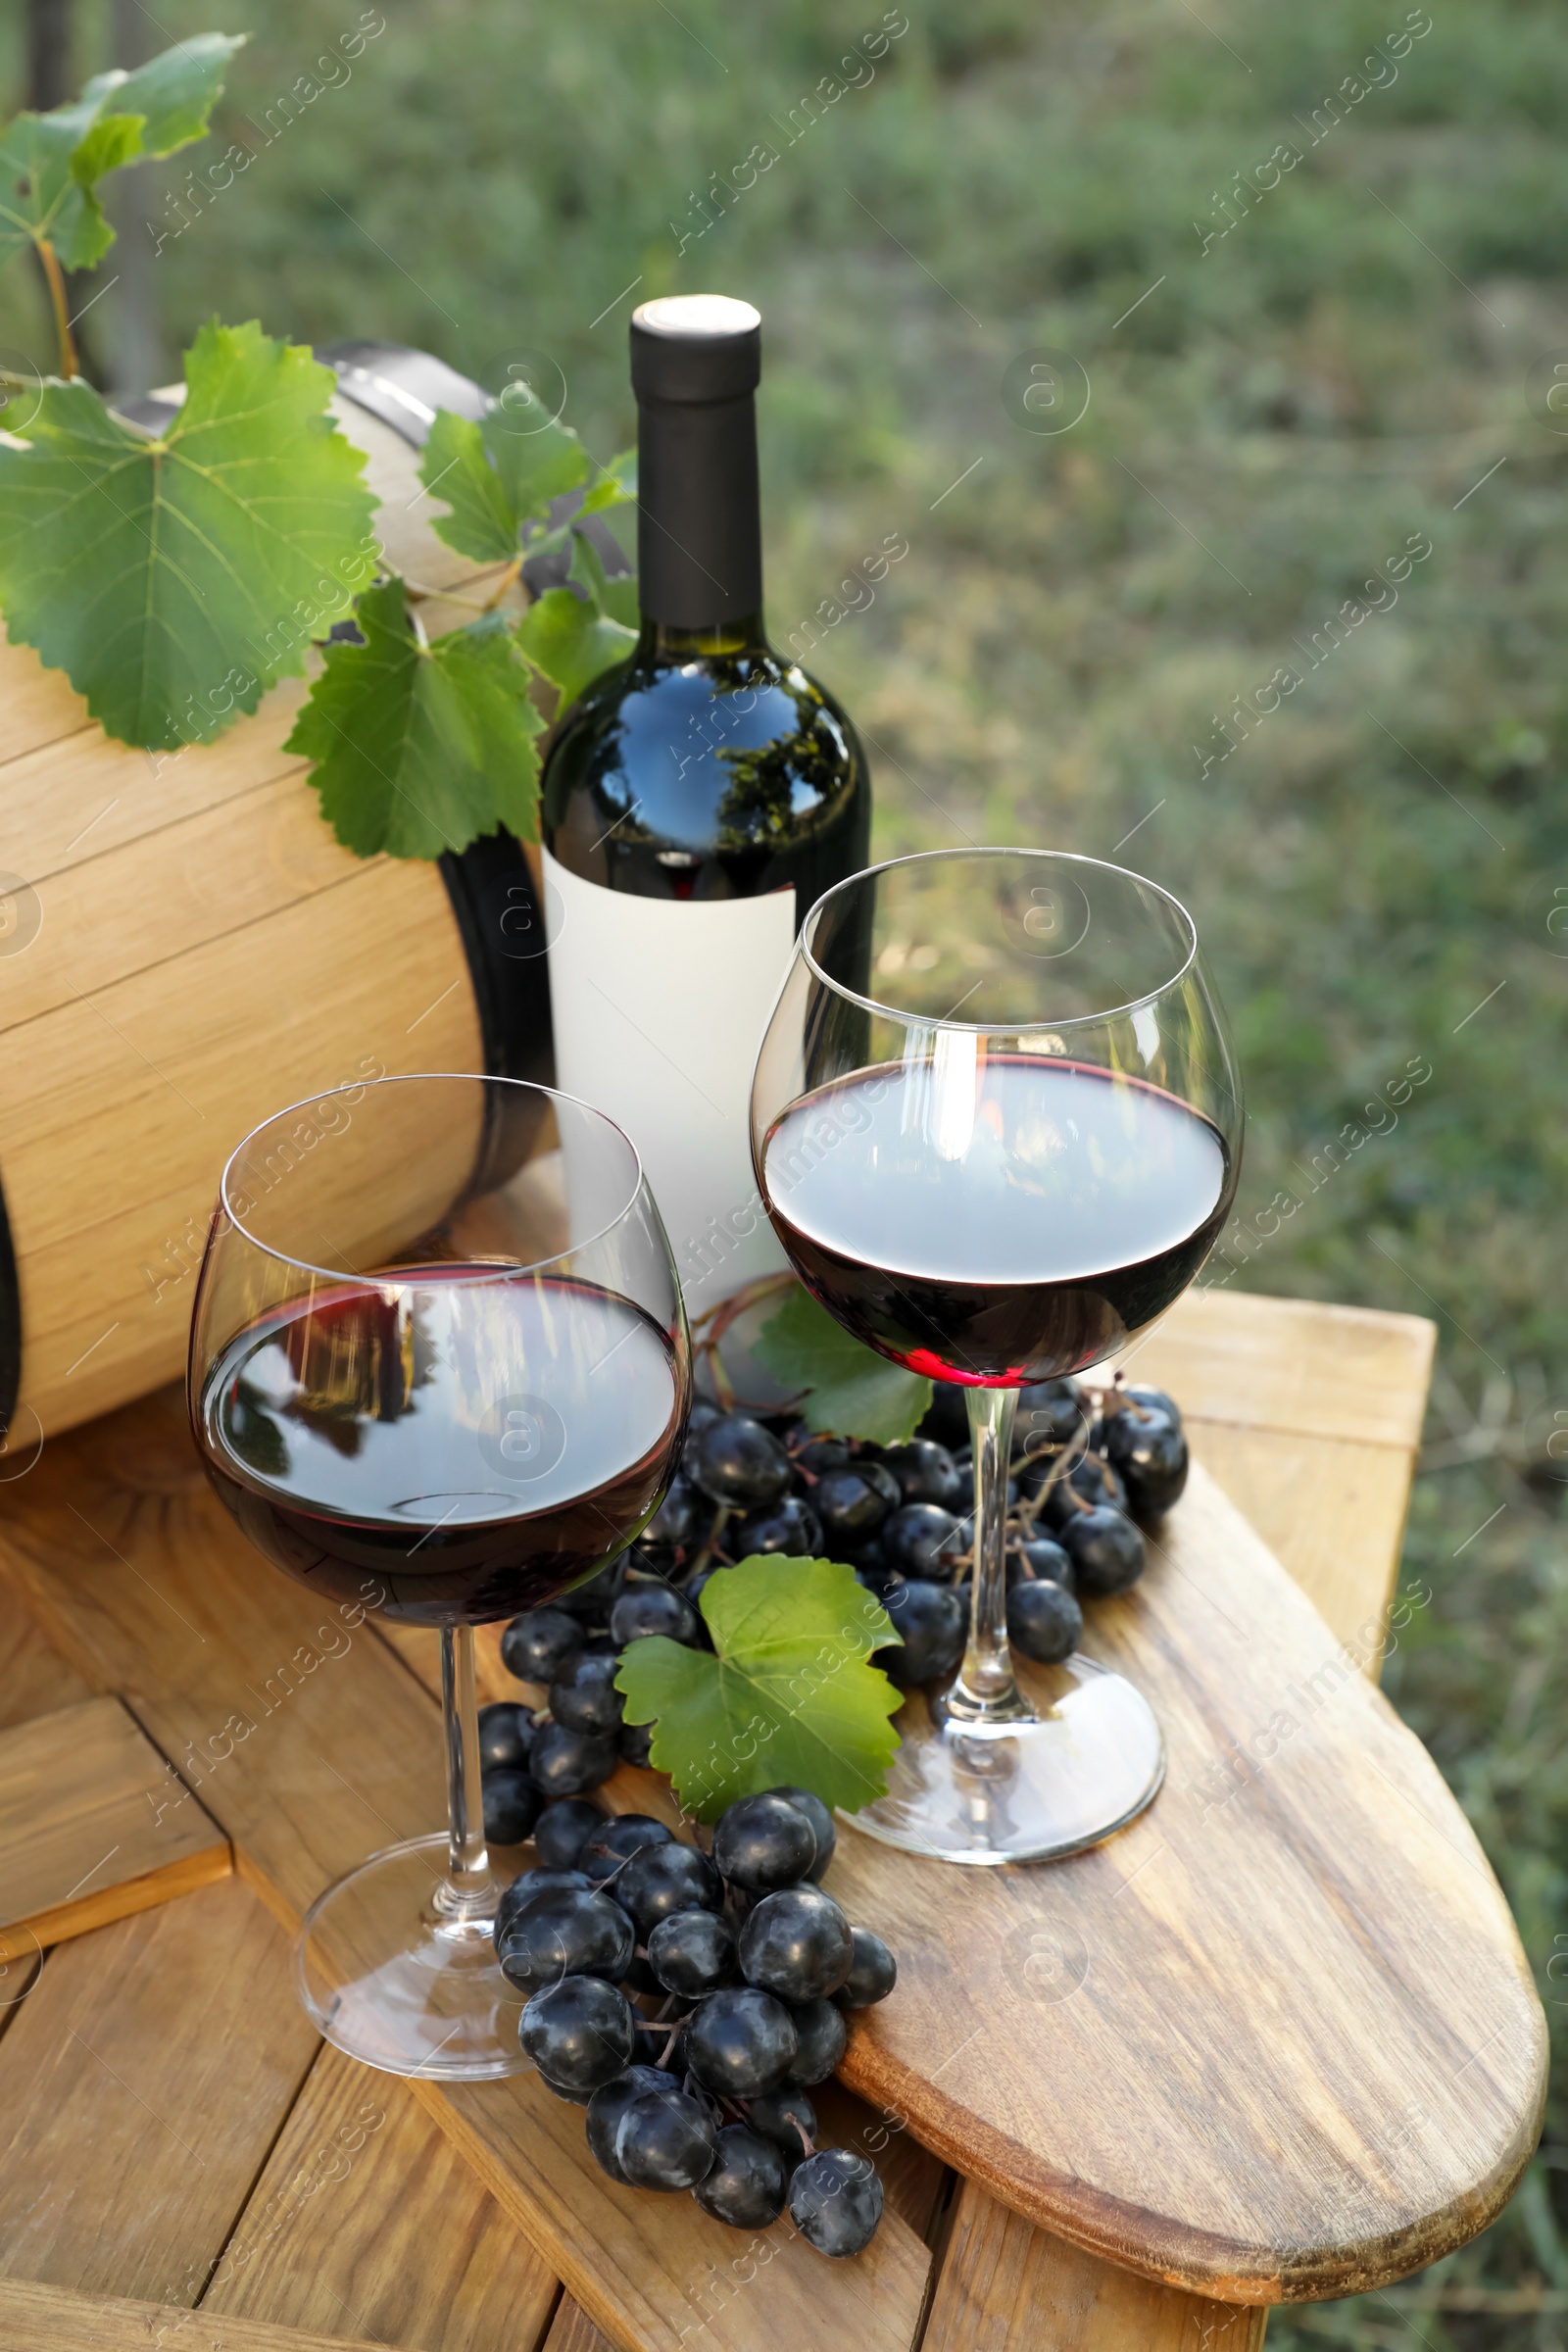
208 953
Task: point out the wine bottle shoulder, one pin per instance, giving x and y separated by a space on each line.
717 777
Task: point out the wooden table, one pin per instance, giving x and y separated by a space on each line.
182 2161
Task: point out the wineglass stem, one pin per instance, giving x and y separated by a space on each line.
985 1692
468 1893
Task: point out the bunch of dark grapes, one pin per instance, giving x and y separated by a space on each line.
1086 1469
691 2001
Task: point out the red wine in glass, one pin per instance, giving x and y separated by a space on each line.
997 1125
464 1449
1063 1207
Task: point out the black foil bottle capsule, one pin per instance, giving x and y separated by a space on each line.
698 800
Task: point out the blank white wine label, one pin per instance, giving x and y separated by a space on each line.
658 1007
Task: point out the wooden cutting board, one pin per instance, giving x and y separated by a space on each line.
1275 2041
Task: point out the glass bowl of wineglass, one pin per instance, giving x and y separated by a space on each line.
997 1125
439 1372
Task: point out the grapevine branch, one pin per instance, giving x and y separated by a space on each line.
56 277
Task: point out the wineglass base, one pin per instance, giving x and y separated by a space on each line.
1023 1791
391 1983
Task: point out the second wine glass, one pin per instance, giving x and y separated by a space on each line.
439 1372
997 1126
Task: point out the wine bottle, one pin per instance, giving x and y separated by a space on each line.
697 802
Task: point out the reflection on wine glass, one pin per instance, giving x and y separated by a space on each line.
997 1125
439 1370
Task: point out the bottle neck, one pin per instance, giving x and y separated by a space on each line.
726 641
699 525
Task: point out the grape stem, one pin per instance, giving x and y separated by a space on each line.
720 1317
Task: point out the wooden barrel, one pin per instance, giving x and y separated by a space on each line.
185 949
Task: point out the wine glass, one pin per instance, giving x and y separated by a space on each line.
997 1125
439 1370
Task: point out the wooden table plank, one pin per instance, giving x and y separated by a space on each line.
94 1825
55 2319
142 2082
366 2217
1004 2285
35 1679
1292 1365
1331 1512
334 1749
184 1596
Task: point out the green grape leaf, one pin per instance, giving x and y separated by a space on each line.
420 749
174 93
483 522
616 485
50 164
621 602
852 1391
787 1697
175 579
536 467
571 642
496 477
40 196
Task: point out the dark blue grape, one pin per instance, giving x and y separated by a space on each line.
692 1953
816 1455
927 1473
1050 1413
506 1734
763 1841
537 1646
693 1586
934 1624
785 2117
820 2036
740 2041
675 1521
653 1608
853 1503
584 1696
796 1944
511 1803
635 1740
748 2182
789 1527
1106 1551
615 1842
1157 1398
1091 1481
568 1933
562 1830
665 2139
1149 1452
922 1538
579 2032
820 1819
1039 1556
947 1416
566 1763
526 1884
1044 1621
594 1600
605 2107
873 1972
836 2202
665 1879
737 1461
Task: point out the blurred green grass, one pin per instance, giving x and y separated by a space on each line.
1374 866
